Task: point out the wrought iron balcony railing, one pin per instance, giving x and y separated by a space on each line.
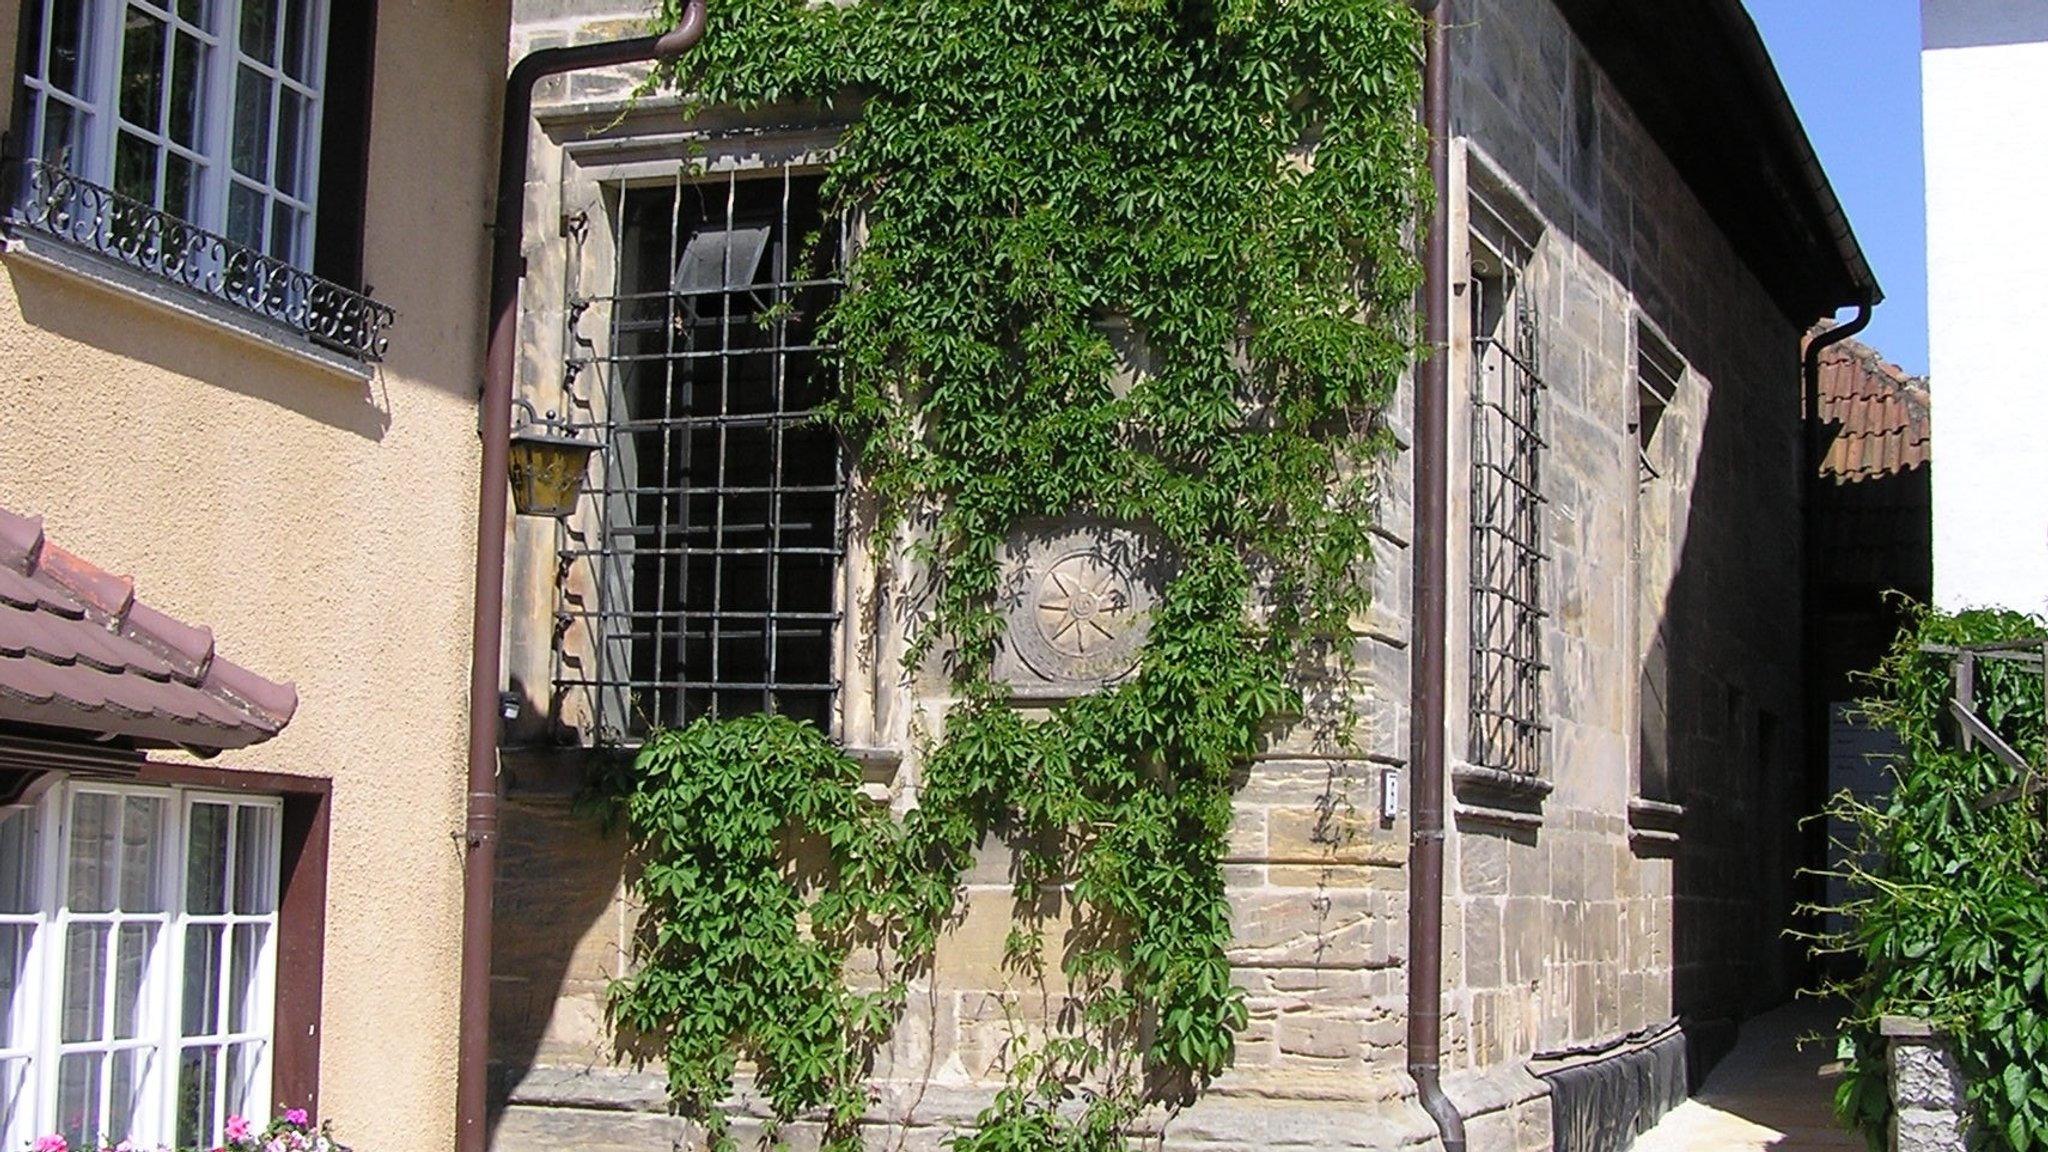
55 203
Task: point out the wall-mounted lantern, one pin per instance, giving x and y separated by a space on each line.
546 465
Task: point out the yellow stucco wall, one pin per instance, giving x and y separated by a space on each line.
324 527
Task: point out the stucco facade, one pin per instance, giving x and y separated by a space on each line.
1591 910
1982 168
320 515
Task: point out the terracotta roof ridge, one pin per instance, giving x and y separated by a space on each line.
21 541
163 678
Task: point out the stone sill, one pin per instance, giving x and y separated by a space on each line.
1653 825
168 298
1504 799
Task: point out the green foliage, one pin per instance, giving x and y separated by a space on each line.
1951 922
1146 261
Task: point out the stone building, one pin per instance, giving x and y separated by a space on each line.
204 391
1640 235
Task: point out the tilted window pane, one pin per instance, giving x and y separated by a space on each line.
142 855
85 983
206 860
78 1098
203 943
89 881
19 848
256 861
135 948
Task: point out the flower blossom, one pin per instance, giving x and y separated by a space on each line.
54 1142
236 1130
295 1116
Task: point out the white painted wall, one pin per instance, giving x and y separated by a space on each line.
1984 72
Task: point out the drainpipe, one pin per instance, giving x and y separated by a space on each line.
480 834
1814 443
1426 673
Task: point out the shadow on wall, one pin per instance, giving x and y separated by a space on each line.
1726 655
109 320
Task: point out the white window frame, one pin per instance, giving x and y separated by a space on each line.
38 999
225 66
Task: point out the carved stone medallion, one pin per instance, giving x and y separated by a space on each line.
1076 600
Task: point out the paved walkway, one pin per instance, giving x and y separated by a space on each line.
1769 1093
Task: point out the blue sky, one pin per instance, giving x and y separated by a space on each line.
1853 69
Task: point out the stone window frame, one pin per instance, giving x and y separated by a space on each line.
608 143
1656 811
1502 236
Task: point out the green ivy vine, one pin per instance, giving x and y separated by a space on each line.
1949 907
1144 261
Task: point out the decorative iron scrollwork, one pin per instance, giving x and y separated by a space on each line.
99 220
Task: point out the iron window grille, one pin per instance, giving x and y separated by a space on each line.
1507 551
703 583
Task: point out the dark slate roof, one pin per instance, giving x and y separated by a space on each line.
79 652
1876 415
1698 76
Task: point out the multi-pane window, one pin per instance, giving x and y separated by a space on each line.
705 581
1508 718
138 936
209 110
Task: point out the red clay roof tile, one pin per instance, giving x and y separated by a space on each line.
1878 415
78 651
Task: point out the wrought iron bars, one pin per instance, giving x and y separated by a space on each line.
704 580
55 203
1507 552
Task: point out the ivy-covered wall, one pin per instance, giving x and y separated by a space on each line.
1568 926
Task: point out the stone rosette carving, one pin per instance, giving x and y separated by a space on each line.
1076 599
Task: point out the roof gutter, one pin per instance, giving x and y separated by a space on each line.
480 833
1426 672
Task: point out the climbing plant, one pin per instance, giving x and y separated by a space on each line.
1949 912
1143 261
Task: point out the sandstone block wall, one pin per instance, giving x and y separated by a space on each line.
1569 925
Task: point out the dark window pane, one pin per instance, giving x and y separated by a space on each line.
135 167
259 30
188 92
206 860
70 46
252 123
142 70
245 215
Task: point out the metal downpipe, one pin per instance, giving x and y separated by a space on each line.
1426 672
480 831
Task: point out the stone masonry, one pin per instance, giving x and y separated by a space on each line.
1929 1110
1570 924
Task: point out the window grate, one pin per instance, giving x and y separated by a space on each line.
1507 556
705 583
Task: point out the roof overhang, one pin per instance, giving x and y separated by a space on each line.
1699 78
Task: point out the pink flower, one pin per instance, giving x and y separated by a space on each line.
295 1116
51 1143
237 1130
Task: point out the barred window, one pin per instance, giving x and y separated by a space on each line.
708 578
1507 539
